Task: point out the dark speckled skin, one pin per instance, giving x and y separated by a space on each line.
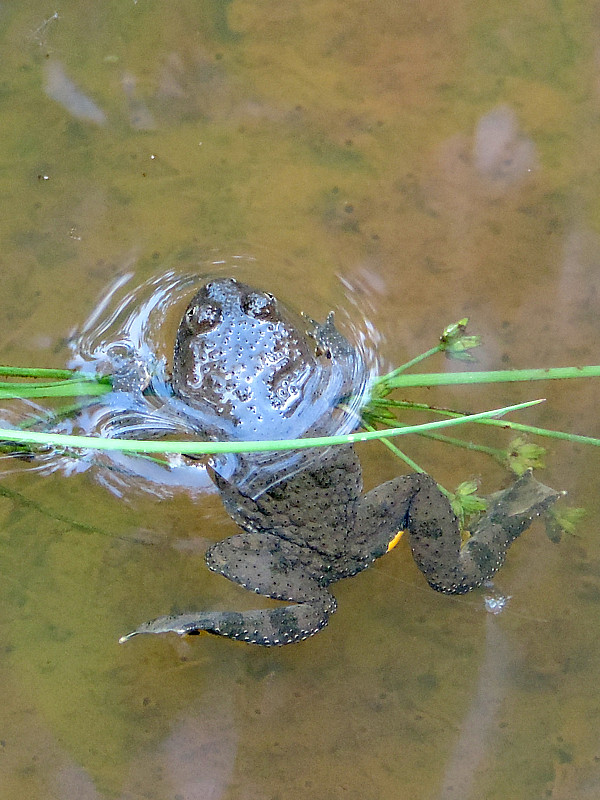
316 527
249 368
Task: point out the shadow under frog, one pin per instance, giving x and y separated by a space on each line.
243 362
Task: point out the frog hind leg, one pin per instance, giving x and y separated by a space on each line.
410 503
435 540
381 515
267 565
415 503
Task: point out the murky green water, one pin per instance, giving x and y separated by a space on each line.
415 162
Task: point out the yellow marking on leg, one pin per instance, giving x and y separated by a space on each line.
394 541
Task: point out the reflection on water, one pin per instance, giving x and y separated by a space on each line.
478 728
411 163
501 153
62 89
195 760
200 752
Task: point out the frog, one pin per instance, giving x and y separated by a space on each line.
247 367
242 366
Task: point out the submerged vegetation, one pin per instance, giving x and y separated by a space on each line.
379 417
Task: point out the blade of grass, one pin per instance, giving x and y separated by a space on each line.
407 459
197 448
411 363
494 376
397 452
38 372
515 426
495 452
70 388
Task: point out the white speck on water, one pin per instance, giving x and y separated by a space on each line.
496 604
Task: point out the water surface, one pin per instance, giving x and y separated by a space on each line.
410 164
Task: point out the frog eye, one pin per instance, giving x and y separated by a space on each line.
203 318
261 305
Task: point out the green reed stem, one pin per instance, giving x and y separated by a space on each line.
37 372
409 364
198 448
70 388
516 426
395 381
496 452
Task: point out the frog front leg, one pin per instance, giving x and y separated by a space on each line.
270 566
415 503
